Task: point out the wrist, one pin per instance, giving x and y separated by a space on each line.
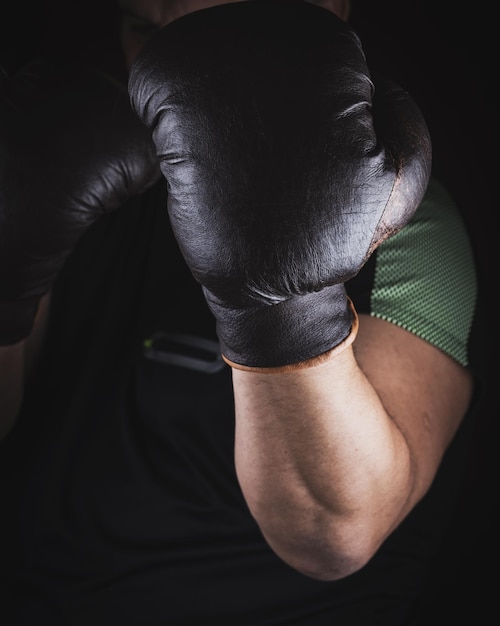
17 320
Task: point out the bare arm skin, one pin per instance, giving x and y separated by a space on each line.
17 364
332 458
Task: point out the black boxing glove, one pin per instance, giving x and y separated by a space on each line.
286 168
71 149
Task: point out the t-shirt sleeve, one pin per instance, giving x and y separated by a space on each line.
424 278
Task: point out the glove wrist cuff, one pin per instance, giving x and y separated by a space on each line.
279 335
16 321
312 362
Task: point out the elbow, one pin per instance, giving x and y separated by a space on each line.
326 556
329 567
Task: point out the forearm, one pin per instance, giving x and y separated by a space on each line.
324 470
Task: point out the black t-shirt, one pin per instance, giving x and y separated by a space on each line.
120 499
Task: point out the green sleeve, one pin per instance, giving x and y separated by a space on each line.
425 278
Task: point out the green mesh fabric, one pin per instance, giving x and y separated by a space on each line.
425 278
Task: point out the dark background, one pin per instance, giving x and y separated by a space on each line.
447 59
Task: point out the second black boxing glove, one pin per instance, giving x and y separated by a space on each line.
71 149
285 167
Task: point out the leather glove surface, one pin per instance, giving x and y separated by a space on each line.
286 167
